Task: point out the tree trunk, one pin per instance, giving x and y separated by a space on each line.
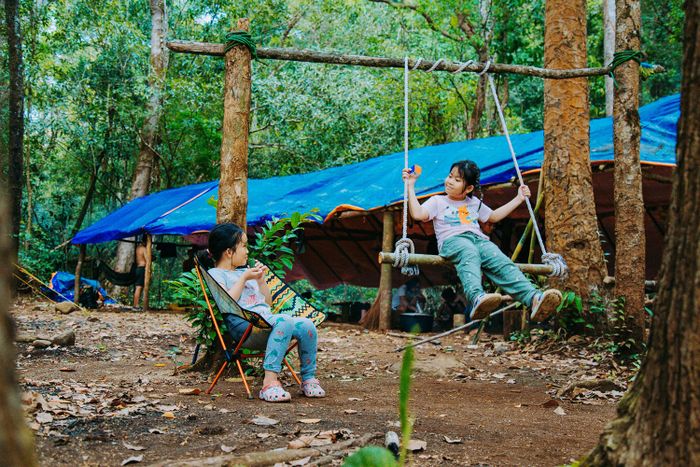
16 440
15 170
384 291
570 217
233 186
658 418
608 51
630 254
141 182
99 163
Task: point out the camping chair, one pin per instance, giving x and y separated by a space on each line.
284 300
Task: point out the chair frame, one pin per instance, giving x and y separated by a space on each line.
236 356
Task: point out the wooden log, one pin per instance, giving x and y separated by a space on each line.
385 273
434 260
312 56
511 323
269 457
148 270
78 269
233 187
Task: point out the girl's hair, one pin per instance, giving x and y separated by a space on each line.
221 238
470 173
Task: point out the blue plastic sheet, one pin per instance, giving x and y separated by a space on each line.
372 183
64 283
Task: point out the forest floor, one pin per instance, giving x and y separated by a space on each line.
115 396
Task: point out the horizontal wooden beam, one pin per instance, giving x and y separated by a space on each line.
434 260
312 56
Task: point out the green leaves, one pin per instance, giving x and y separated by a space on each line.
272 242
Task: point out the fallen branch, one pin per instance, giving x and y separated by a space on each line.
458 328
270 457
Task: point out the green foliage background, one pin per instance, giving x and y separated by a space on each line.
87 63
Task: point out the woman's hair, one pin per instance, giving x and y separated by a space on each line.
221 238
470 173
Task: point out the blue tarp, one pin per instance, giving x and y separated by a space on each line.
372 183
64 283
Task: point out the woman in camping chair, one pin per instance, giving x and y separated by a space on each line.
228 247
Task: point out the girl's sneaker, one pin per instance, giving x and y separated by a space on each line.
484 305
544 304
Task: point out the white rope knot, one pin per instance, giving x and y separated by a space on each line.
403 248
559 267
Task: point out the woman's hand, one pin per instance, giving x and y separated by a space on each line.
523 192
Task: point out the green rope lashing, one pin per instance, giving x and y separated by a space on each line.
243 38
625 56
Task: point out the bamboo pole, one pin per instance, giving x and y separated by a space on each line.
434 260
78 269
385 273
312 56
147 272
233 187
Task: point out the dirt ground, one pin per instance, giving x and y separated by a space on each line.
115 395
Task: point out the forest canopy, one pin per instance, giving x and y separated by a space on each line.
86 89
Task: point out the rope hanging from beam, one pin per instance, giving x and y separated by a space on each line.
404 247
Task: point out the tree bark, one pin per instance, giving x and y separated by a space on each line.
233 186
312 56
608 51
630 254
384 290
570 217
141 182
15 170
16 440
658 418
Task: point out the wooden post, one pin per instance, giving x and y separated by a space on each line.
511 322
385 274
233 186
78 268
147 272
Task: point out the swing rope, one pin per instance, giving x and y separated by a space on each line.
404 246
556 261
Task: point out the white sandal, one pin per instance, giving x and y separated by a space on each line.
274 393
312 388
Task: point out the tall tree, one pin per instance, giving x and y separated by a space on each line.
149 134
658 418
16 441
609 51
630 255
570 217
16 118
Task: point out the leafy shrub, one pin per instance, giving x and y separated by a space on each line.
186 291
271 246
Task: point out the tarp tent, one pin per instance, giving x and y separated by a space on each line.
344 248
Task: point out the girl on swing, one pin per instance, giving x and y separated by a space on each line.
456 216
228 247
